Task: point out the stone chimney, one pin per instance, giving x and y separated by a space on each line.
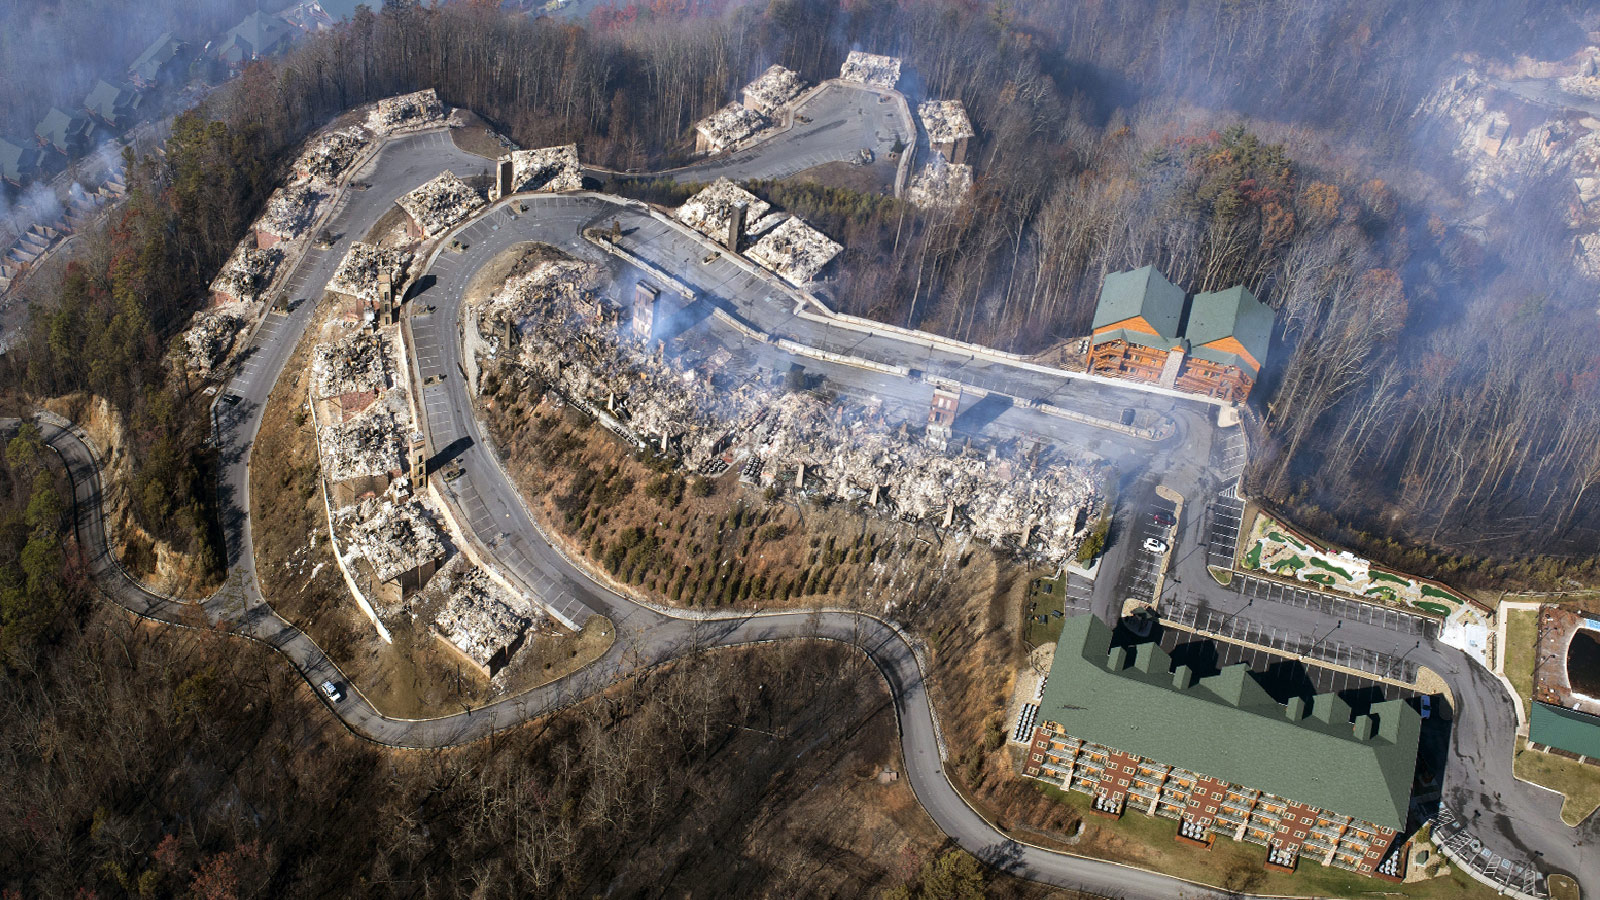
503 175
419 461
736 226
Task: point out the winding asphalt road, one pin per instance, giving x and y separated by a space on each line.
486 500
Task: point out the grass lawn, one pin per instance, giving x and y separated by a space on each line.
1293 564
1253 558
1376 575
1282 538
1333 568
1223 576
1429 590
1579 783
1438 609
1150 842
1045 599
1563 888
1384 591
1319 578
1522 634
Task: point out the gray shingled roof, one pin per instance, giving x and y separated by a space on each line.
1228 727
260 34
158 54
111 102
1235 313
17 162
1142 292
60 128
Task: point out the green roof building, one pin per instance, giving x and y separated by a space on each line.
67 132
113 104
260 34
1136 325
18 164
1215 345
158 62
1230 328
1564 729
1219 754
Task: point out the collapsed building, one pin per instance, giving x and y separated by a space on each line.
724 212
795 251
727 127
405 111
331 155
365 446
213 335
247 275
438 205
1505 142
398 542
289 212
948 128
870 69
940 185
479 620
546 169
772 90
360 274
358 363
712 416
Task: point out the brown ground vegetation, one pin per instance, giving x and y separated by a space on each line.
696 541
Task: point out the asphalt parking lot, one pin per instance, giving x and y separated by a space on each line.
1225 514
1325 647
1139 575
1281 676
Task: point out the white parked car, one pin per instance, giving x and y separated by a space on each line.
1155 546
332 691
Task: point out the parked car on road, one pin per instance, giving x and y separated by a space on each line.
332 691
1155 546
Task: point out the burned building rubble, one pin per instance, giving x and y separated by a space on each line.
248 273
356 363
546 169
945 121
288 215
394 536
405 111
565 281
438 205
359 272
366 446
331 155
480 620
713 416
727 127
213 334
870 69
772 89
940 185
794 251
713 211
